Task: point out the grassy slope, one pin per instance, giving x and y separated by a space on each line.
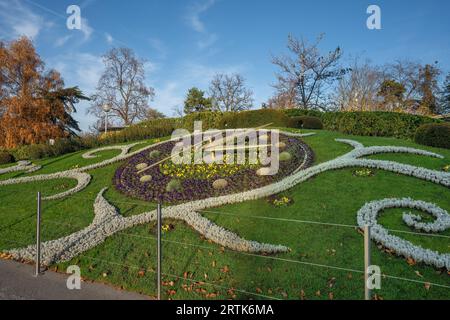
332 197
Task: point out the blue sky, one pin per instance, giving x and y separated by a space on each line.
187 42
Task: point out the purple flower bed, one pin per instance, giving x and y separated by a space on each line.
127 180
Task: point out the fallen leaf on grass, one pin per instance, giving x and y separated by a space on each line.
331 295
171 292
225 269
258 290
141 273
318 293
331 282
302 295
411 261
418 274
427 285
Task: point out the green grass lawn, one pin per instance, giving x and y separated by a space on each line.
195 268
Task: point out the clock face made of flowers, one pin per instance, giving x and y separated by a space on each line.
151 175
109 221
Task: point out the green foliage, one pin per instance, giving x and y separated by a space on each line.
253 118
196 101
209 119
285 156
174 185
33 152
154 154
391 91
434 135
378 123
384 124
306 122
303 112
6 157
157 128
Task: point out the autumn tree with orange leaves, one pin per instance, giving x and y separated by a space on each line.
34 104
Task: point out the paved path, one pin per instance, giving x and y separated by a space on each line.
18 283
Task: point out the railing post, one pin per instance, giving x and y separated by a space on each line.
159 226
366 261
38 236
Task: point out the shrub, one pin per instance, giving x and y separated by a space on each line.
157 128
33 152
63 146
174 185
305 122
154 154
285 156
220 184
377 123
6 157
434 135
146 178
210 120
253 118
296 122
391 124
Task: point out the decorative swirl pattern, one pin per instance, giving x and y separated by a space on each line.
108 221
368 214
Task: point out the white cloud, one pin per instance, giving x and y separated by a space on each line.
168 96
18 20
159 47
194 21
208 41
193 16
86 29
109 38
62 40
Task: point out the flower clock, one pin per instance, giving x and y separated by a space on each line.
222 187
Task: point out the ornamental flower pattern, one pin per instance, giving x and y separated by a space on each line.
108 221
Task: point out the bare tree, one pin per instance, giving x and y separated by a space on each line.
308 71
177 111
357 90
283 100
407 73
122 87
229 93
153 114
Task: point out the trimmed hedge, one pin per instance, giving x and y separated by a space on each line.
434 135
232 120
253 118
306 122
209 119
377 123
6 157
392 124
156 128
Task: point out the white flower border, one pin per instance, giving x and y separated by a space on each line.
26 166
104 227
124 149
368 214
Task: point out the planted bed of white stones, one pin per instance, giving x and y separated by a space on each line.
108 220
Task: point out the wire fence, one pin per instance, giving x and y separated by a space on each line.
54 228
